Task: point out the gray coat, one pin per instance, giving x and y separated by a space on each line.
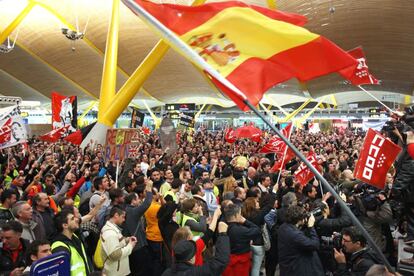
134 225
373 223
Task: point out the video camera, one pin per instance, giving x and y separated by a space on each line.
369 196
335 241
405 123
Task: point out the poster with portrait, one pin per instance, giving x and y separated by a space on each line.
137 118
122 144
168 134
64 112
19 131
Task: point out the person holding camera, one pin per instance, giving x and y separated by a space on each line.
359 256
298 244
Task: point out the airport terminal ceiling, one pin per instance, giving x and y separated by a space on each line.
44 60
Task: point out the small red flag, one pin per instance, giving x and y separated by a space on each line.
281 163
377 156
78 136
54 135
358 74
146 130
303 174
249 132
276 144
6 131
229 136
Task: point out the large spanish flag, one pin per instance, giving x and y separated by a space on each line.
253 47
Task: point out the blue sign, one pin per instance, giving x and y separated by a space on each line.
57 264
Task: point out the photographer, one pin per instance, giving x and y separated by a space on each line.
327 227
359 257
403 189
298 248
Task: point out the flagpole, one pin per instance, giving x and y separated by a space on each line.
328 187
184 49
320 186
117 172
284 155
375 98
44 152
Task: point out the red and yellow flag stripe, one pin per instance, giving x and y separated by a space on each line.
253 47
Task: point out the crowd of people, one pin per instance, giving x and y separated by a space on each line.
210 208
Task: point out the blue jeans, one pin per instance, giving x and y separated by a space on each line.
257 259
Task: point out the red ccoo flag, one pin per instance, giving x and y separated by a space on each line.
303 174
276 144
377 156
281 163
276 49
358 74
6 131
229 135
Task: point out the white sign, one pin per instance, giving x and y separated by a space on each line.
19 131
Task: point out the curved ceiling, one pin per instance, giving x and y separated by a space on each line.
44 60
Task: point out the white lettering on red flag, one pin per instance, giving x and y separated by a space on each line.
376 157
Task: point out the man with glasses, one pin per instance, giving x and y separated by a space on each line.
361 257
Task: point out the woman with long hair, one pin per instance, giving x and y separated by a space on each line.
251 211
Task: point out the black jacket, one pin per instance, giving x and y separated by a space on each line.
326 227
5 215
298 252
6 262
360 261
214 266
241 235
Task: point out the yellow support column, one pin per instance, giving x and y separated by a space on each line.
108 83
136 80
85 112
13 25
275 118
310 112
199 112
334 103
134 83
157 120
294 113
